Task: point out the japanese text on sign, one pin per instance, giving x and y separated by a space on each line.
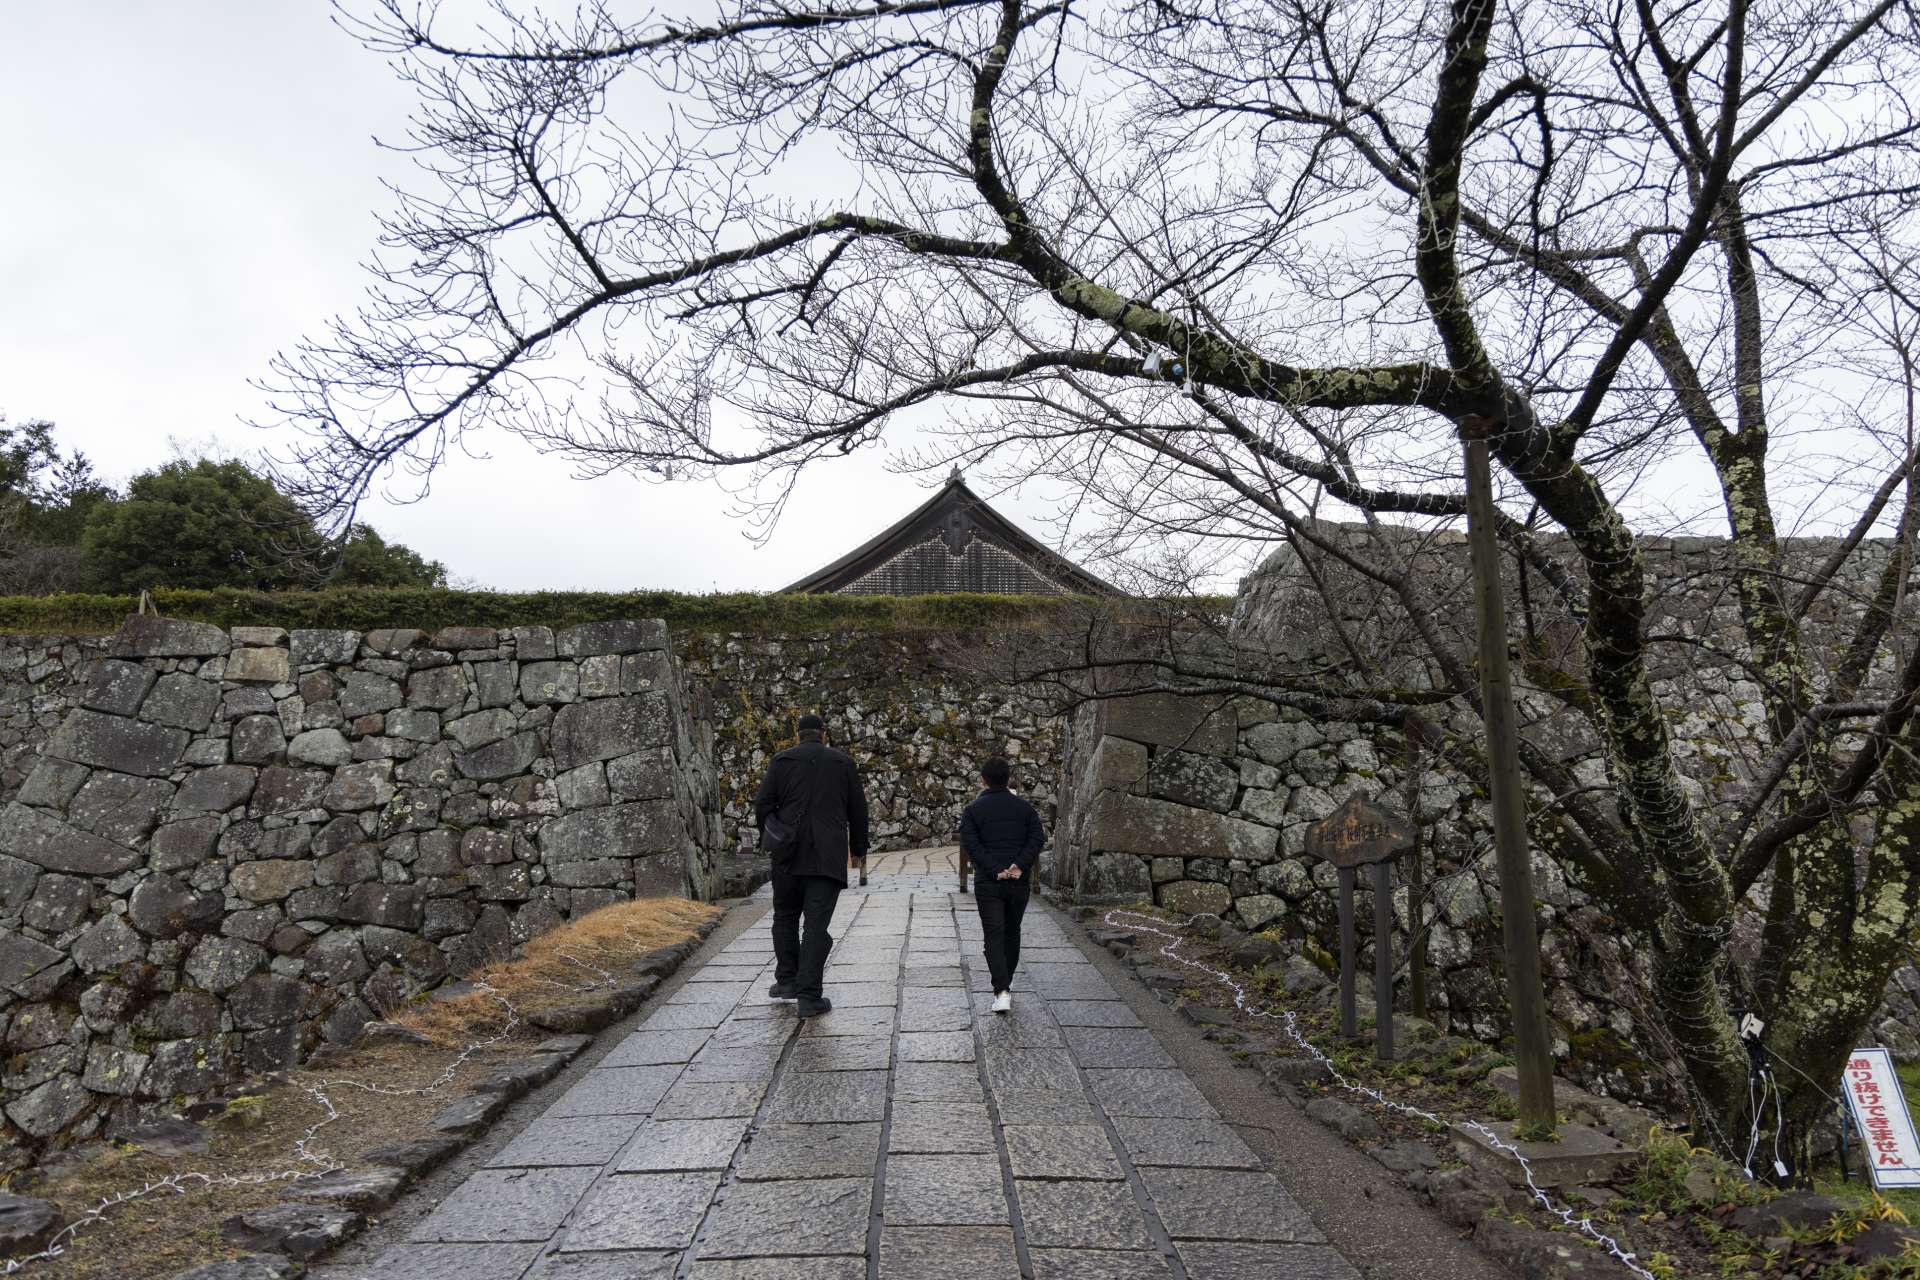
1880 1112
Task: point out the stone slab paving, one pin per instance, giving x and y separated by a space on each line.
911 1134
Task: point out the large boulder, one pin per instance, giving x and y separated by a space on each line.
1186 777
1117 875
187 843
368 692
335 648
630 636
183 701
265 1000
147 636
1194 897
119 744
335 959
1162 829
59 902
221 964
116 687
439 688
45 1111
109 944
27 1225
549 682
498 760
218 789
360 786
36 836
607 728
644 775
119 806
620 831
457 639
1200 724
326 748
187 1066
260 666
257 739
288 791
396 906
271 879
161 907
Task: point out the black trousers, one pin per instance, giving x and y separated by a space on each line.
796 960
1001 904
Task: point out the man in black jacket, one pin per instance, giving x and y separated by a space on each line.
815 790
1002 834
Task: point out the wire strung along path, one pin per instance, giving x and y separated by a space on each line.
909 1134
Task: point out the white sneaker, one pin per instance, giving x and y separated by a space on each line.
1003 1002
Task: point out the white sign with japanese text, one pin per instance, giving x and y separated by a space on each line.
1880 1112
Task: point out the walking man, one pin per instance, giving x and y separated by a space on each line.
1002 834
813 792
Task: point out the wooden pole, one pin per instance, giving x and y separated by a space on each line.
1416 920
1533 1054
1383 961
1416 881
1349 1012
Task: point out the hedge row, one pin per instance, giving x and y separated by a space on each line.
428 608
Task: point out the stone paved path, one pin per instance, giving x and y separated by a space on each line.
940 860
910 1134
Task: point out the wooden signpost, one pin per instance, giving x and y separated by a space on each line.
1358 834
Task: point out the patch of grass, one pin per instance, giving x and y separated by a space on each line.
592 953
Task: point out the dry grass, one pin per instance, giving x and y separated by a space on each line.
584 956
158 1236
163 1234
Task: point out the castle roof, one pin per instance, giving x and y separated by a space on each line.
952 542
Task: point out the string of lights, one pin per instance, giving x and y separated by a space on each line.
1289 1023
313 1162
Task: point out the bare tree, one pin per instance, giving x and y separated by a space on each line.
1234 267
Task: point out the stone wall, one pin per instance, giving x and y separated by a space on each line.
238 844
918 712
39 678
1202 804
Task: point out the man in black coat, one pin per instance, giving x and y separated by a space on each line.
1002 834
816 791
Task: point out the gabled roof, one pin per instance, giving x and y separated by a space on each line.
953 542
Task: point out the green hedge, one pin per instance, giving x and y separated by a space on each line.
428 608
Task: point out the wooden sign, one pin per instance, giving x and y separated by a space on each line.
1359 833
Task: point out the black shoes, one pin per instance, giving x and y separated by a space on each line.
782 991
809 1007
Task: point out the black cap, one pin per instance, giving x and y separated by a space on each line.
811 723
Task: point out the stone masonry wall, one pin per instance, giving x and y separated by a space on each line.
910 709
239 844
918 712
1203 804
39 679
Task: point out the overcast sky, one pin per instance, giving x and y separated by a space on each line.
191 187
